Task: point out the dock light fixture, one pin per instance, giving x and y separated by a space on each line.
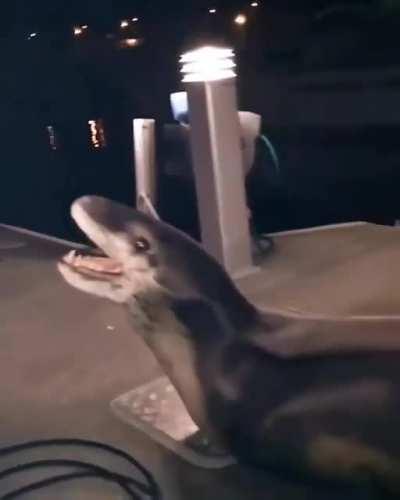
210 84
208 64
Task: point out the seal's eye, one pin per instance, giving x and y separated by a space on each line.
142 245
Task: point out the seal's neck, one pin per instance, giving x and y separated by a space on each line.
232 308
172 345
238 310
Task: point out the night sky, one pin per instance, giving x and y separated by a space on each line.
17 15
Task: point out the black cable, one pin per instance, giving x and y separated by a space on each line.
153 487
85 443
264 243
50 482
101 472
149 488
72 463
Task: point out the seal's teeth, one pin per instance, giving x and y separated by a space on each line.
70 257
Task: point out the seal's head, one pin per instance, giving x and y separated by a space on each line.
143 257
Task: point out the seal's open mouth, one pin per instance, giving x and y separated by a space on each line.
105 260
92 262
116 268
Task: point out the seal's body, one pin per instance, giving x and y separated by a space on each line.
312 395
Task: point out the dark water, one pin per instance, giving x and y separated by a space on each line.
325 176
322 179
46 85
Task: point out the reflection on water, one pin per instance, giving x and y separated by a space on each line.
97 135
48 164
129 43
52 137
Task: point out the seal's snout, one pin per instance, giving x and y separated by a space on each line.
98 217
92 206
83 201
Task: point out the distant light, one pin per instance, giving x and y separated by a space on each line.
212 11
208 64
85 27
254 4
135 19
97 135
240 19
32 35
130 42
124 23
77 31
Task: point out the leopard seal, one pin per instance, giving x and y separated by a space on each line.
314 396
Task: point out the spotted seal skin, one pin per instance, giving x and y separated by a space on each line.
313 396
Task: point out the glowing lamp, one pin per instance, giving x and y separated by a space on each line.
124 24
212 11
135 19
208 64
77 31
32 35
85 27
254 4
240 19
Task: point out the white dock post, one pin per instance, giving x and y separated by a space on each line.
217 157
145 165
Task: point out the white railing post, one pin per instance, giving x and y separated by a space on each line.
145 165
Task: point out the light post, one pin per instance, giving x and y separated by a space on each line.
209 78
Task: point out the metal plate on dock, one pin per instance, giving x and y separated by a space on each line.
157 410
